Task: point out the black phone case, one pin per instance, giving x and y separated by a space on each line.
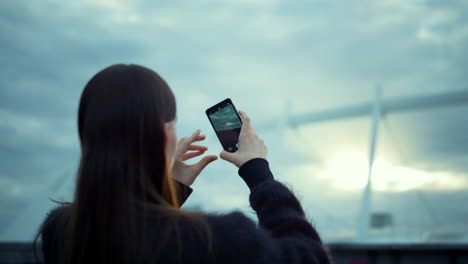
214 109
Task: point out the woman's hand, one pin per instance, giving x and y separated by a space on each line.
186 174
250 145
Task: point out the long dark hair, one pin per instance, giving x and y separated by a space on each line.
123 176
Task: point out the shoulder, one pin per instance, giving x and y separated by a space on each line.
56 213
55 222
237 237
235 225
60 210
228 218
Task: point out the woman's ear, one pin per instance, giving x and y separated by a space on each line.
170 138
166 133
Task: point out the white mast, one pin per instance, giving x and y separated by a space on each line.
364 213
376 109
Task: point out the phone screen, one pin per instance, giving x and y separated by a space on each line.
226 123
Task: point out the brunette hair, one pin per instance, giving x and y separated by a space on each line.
123 176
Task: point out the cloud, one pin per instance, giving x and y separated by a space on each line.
110 4
36 129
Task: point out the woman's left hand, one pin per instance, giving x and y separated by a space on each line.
184 173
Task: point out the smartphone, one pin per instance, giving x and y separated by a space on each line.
227 124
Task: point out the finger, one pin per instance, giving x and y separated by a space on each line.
185 142
246 125
245 117
195 134
197 147
199 138
190 155
196 137
204 162
227 156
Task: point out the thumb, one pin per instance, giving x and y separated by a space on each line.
204 162
228 156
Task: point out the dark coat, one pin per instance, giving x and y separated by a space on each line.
283 234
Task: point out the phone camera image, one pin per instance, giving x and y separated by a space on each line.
225 119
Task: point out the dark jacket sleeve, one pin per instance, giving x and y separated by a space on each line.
284 235
184 192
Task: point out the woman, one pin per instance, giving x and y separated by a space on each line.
132 180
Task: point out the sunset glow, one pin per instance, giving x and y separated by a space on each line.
349 171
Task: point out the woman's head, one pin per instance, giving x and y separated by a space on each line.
126 127
127 117
126 124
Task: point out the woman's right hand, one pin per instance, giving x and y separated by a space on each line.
250 145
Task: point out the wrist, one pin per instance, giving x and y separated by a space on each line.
255 171
247 159
187 181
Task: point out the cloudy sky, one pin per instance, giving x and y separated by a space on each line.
273 59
